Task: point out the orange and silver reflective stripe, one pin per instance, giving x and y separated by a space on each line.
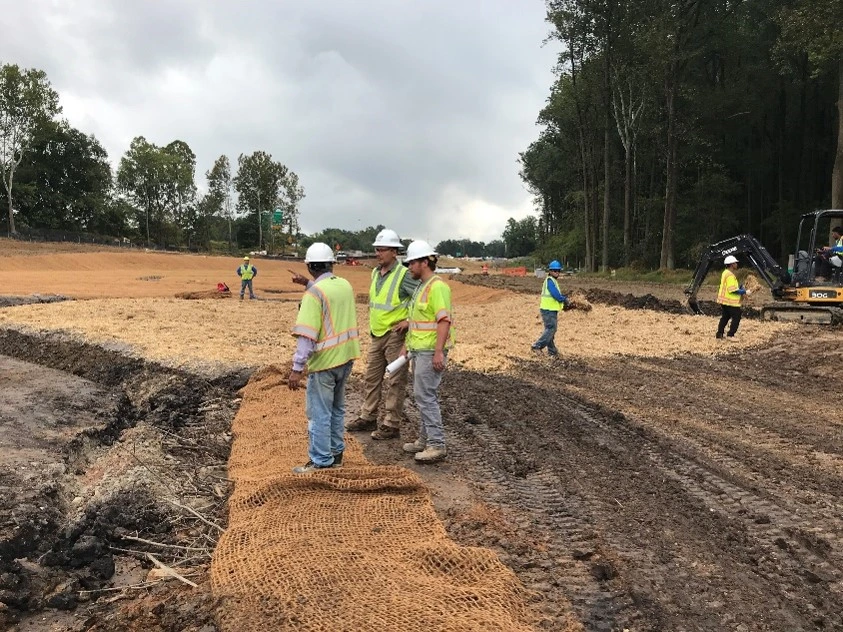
335 341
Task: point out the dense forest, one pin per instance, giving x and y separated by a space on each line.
672 124
58 183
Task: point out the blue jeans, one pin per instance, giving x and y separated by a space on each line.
426 381
325 409
246 283
549 318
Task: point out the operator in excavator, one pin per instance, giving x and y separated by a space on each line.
831 257
729 296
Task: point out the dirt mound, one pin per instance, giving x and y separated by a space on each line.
578 300
203 294
12 301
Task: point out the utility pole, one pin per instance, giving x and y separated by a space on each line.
260 221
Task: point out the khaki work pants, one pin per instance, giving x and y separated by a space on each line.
382 351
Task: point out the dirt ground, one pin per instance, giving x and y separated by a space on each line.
652 479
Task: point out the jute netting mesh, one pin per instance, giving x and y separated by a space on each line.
355 548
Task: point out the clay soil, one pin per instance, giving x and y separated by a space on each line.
651 479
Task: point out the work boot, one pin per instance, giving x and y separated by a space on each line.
414 447
309 467
431 454
337 460
385 432
361 424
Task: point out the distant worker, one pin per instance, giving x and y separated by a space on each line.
390 291
551 303
831 256
328 343
485 269
430 336
247 272
729 296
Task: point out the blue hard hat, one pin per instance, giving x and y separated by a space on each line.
554 265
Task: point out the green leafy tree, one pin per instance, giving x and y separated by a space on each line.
520 237
258 183
814 27
65 181
26 100
219 192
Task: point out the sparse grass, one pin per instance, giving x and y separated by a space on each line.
674 277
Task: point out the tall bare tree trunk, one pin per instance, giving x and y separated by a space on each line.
666 261
12 230
837 171
627 206
604 262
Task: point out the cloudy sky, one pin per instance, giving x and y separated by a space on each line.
409 113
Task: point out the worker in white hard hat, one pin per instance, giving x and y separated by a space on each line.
430 336
390 291
327 343
246 271
729 296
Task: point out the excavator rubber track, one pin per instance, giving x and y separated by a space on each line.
807 314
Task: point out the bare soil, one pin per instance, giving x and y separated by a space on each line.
700 489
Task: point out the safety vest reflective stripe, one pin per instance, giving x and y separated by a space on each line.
335 341
248 272
728 285
304 330
417 325
327 324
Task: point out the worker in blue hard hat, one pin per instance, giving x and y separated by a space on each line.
552 302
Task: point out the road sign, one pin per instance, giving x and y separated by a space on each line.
277 216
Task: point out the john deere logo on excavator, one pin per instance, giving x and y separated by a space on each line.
824 294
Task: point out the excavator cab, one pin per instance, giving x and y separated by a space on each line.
811 265
809 290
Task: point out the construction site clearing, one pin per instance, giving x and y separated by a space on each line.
652 478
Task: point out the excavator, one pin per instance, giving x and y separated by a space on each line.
800 294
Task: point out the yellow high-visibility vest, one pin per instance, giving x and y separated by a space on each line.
247 272
430 303
547 301
386 309
728 286
328 316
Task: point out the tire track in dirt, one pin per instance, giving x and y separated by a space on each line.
763 557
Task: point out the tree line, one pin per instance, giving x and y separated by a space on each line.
57 177
675 123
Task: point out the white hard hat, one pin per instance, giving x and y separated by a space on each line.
419 250
836 261
729 260
387 239
319 253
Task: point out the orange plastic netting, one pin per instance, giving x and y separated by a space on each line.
355 548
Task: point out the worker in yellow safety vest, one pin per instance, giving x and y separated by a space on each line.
551 303
729 296
430 336
246 272
328 343
390 291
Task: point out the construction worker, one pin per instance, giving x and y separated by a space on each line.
551 303
831 256
729 296
390 291
428 340
328 343
246 272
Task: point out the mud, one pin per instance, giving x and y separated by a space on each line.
654 494
12 301
96 448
